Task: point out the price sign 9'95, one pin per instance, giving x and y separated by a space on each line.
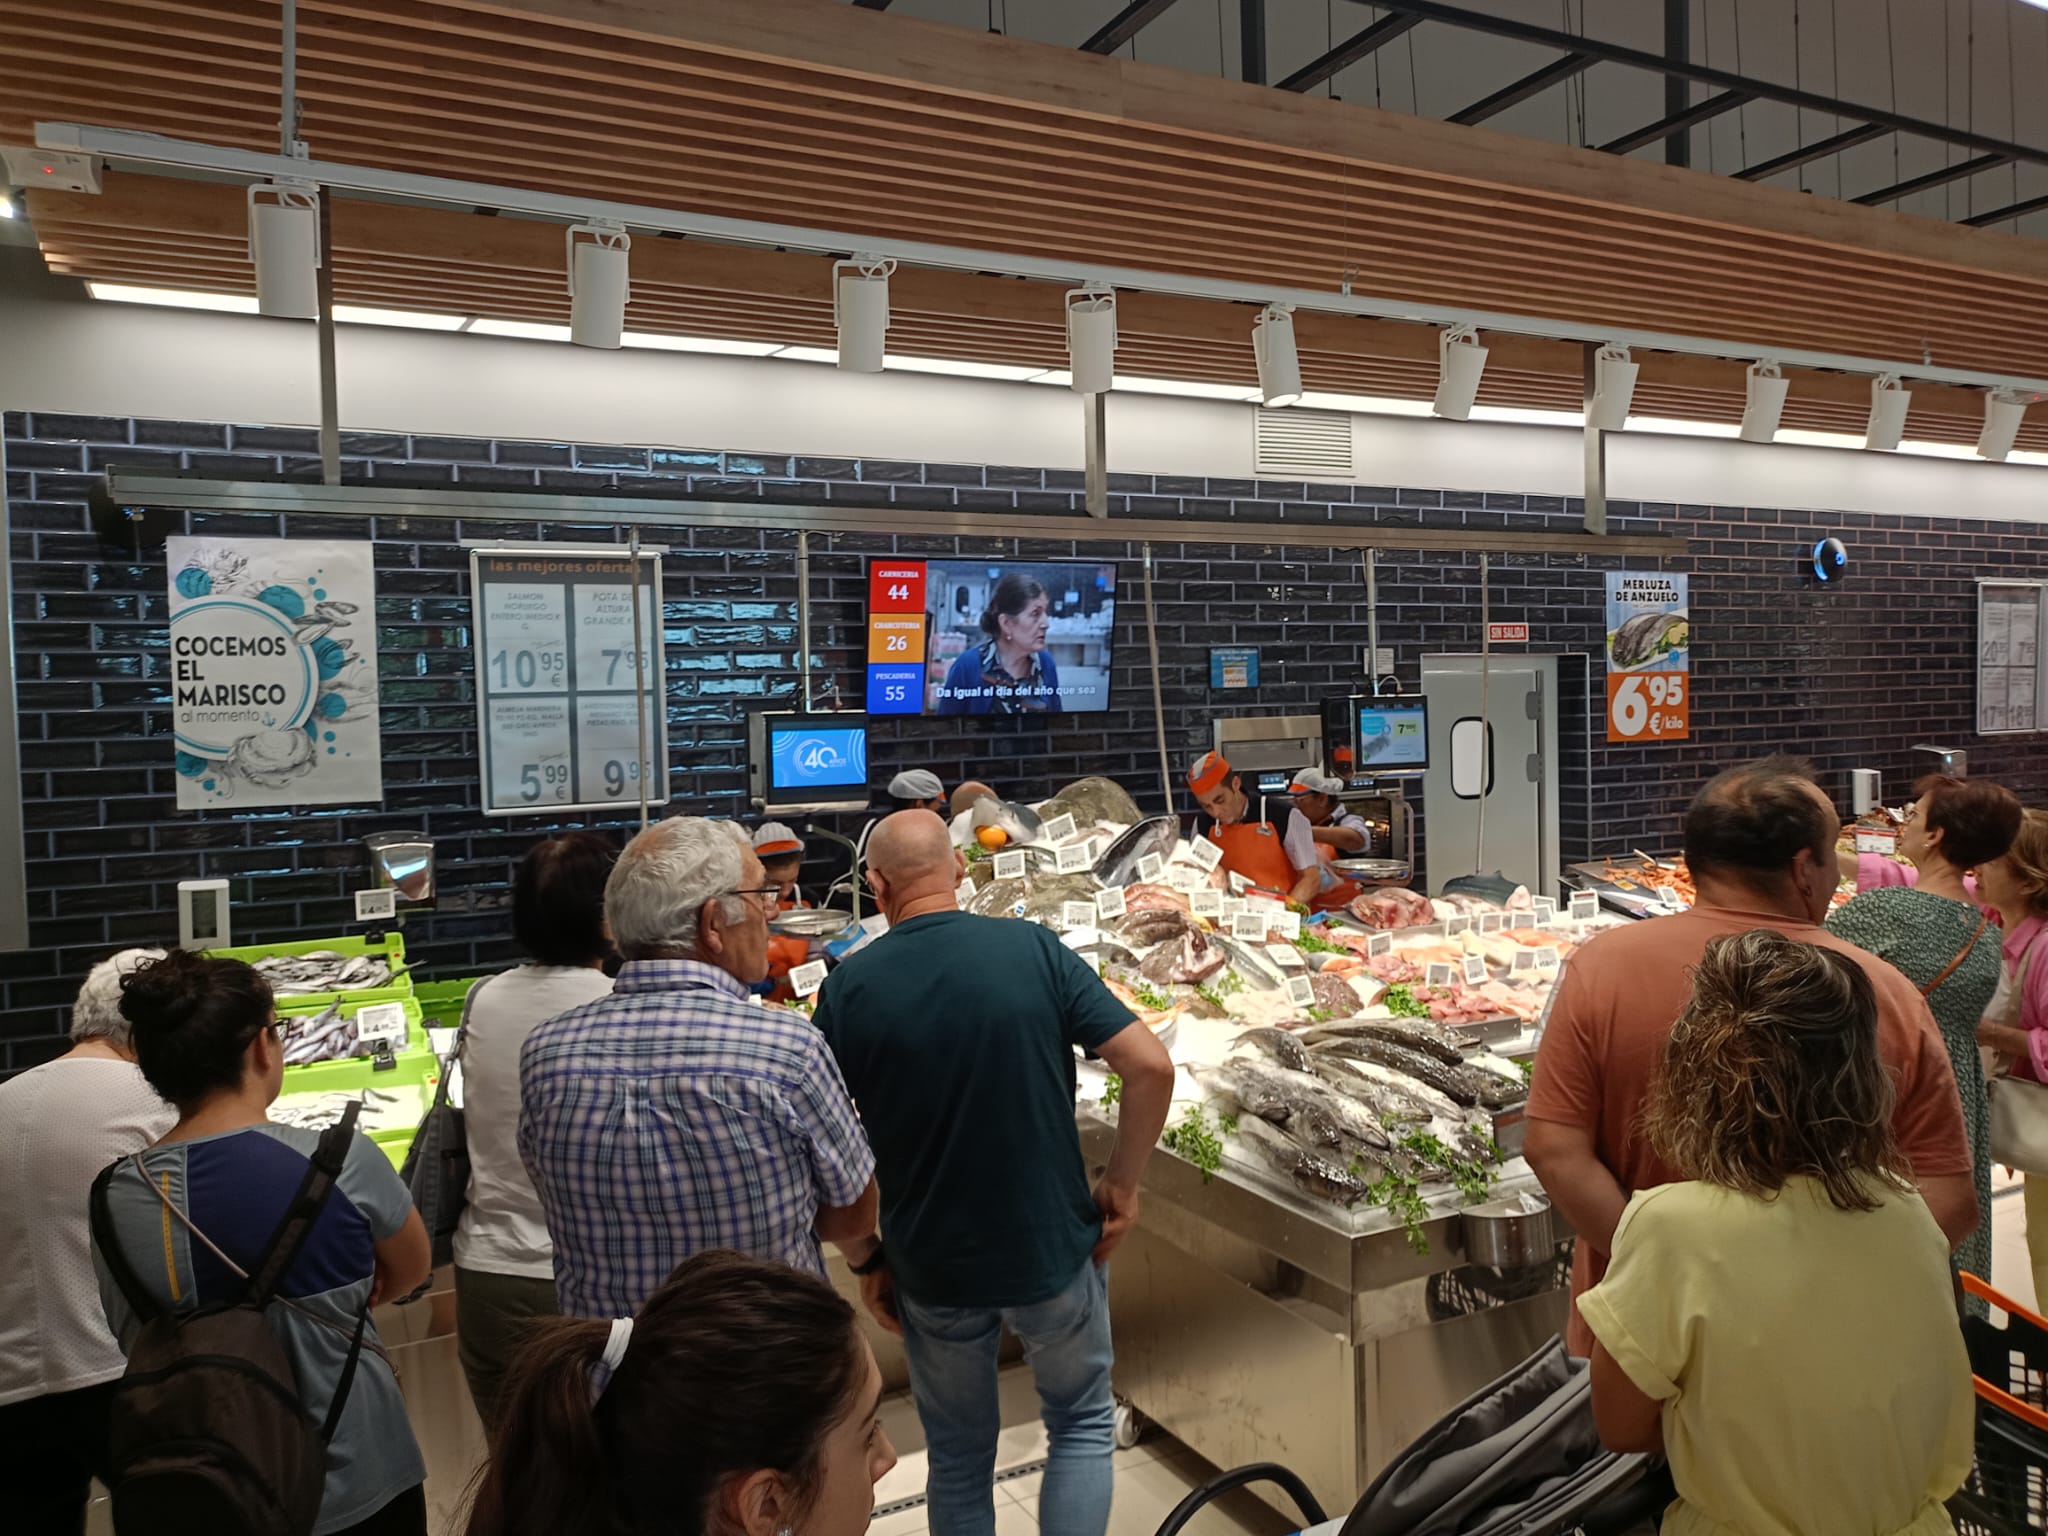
1649 706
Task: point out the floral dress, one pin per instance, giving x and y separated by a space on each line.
1920 934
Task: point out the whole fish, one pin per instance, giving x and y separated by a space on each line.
1425 1099
1256 1098
1308 1095
1093 800
1283 1047
1449 1081
1388 1103
1406 1036
1312 1173
1252 964
1119 863
1192 957
1153 925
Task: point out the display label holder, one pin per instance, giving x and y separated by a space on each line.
1071 861
1441 973
1205 853
1111 903
1379 944
1300 992
1207 902
1149 868
1060 828
1475 971
805 979
1077 914
1009 866
1285 956
1248 925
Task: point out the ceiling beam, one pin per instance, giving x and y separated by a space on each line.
1941 178
1806 154
1350 51
1532 84
871 5
1125 25
1251 41
2009 211
1677 47
1691 117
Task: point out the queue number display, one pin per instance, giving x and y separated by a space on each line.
896 637
562 677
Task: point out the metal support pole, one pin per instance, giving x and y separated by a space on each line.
1158 707
1251 16
642 667
803 611
288 80
1095 413
1678 49
1372 618
330 403
1596 453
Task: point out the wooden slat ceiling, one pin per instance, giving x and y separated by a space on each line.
815 113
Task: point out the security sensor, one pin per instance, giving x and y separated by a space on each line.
62 170
1829 560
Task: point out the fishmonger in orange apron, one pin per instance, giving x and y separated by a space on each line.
781 853
1251 849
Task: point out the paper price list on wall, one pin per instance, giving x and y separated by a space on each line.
559 678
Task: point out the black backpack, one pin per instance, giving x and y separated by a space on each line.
207 1432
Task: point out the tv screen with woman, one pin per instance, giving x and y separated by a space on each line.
1019 637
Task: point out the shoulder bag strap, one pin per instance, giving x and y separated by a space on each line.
1962 954
139 1300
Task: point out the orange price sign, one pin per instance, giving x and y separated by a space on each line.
895 638
1649 706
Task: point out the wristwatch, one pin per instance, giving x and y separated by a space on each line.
874 1261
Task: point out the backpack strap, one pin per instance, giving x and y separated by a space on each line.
140 1302
347 1378
323 1171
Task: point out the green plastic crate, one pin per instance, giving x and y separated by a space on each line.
441 1001
391 946
416 1062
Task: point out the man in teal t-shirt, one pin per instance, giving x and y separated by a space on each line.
955 1035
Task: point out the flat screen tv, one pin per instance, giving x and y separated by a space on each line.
800 761
1018 637
1393 736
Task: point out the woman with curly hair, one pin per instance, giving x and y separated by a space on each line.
1782 1325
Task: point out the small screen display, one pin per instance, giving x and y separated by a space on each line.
205 913
1392 737
810 757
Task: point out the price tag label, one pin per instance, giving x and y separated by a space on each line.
1185 877
1149 868
1380 944
965 893
372 905
1441 973
1475 971
1585 906
1648 706
1009 866
875 924
1110 903
1300 993
1077 914
1289 923
1876 842
1548 958
1232 906
805 979
1205 853
380 1024
1060 828
1248 925
1455 925
1071 861
1525 960
1285 956
1080 938
1557 922
1239 883
1206 903
1543 906
1492 922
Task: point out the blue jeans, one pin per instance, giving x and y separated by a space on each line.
952 1354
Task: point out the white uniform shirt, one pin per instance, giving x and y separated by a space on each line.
1300 841
60 1124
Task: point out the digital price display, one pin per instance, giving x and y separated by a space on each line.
561 676
896 637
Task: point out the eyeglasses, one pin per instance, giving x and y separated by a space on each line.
771 891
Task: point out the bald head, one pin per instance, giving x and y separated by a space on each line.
912 865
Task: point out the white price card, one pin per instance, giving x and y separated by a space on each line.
1285 956
1525 960
1248 925
1185 877
1543 906
1585 906
805 979
1457 923
1009 866
1232 905
1110 903
1240 883
1205 853
371 905
1475 971
1548 958
1071 861
1077 914
1081 938
1300 992
965 893
875 924
1380 944
1441 973
1149 868
1206 903
1288 923
1876 842
380 1024
1060 828
1492 922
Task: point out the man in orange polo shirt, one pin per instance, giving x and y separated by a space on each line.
1254 849
1760 842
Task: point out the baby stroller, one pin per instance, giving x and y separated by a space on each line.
1520 1457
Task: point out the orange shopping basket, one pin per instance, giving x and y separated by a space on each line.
2007 1493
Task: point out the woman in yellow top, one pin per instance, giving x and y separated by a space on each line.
1783 1326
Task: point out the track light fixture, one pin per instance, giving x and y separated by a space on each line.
1614 386
284 242
1888 406
2003 412
1765 405
1461 360
598 283
1091 338
860 305
1274 351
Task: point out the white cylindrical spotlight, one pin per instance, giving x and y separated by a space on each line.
1888 406
1460 362
1614 386
284 242
1273 350
598 284
860 305
1091 339
2003 413
1765 404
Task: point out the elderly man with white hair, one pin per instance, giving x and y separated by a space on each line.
60 1124
678 1114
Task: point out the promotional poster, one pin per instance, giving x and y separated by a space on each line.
1649 650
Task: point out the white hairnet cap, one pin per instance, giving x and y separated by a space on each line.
916 784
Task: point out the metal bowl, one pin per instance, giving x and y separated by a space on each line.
1371 869
811 923
1510 1233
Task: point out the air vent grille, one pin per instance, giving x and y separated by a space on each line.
1303 444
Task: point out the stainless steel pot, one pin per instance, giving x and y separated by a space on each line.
1511 1233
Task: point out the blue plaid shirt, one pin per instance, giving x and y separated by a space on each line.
676 1115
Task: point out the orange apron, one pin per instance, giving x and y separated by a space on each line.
1253 849
785 952
1333 898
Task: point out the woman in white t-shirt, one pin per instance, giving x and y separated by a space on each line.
60 1124
504 1262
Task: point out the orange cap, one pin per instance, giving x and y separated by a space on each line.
1210 770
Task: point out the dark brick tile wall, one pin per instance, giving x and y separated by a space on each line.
1852 677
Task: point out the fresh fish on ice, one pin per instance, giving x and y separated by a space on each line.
1252 964
1092 800
1119 863
1283 1047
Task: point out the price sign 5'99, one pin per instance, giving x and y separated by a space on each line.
1648 706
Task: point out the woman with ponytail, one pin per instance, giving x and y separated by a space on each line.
741 1401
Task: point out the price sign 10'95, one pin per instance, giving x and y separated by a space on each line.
1649 706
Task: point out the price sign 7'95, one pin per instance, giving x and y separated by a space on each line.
1648 706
